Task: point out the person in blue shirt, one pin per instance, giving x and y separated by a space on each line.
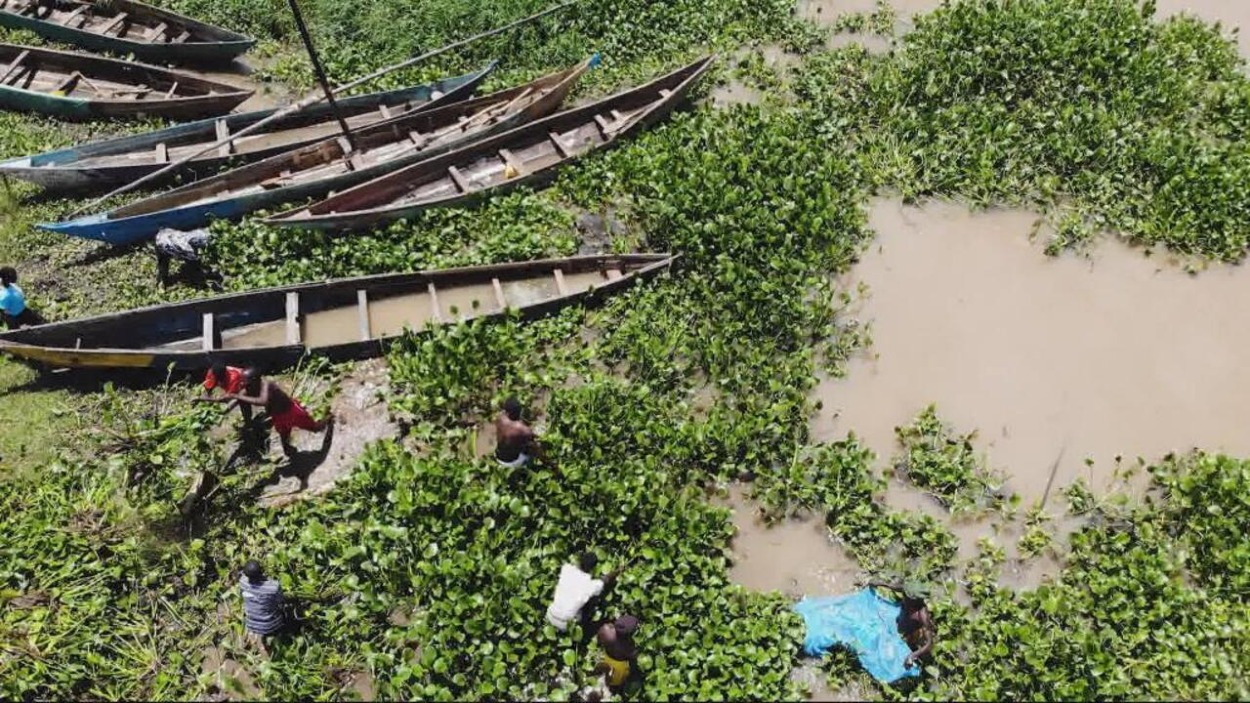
13 302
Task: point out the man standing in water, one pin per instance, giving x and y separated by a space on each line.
516 443
284 412
915 624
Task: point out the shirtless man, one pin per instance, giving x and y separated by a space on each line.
284 412
619 650
515 441
915 624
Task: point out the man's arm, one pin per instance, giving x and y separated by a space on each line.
212 399
613 575
260 400
532 447
926 634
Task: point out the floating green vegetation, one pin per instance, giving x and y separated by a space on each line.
946 464
429 568
1124 618
1092 110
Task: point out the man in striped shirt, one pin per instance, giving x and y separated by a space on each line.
262 604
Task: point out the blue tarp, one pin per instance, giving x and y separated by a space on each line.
865 623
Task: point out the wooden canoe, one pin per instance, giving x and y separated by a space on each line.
80 86
351 318
528 155
324 167
108 164
125 27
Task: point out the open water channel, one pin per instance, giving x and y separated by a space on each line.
1101 356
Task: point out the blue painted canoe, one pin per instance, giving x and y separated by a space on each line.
126 27
328 165
81 86
108 164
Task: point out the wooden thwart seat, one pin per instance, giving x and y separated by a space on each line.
436 311
510 159
162 153
116 23
561 148
384 111
362 313
560 285
158 31
17 64
292 318
458 178
499 297
208 341
79 15
223 132
614 274
185 35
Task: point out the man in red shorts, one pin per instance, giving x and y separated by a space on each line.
230 380
284 411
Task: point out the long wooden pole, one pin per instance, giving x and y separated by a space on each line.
312 99
320 71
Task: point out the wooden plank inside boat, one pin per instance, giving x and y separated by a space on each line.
115 24
512 161
499 296
561 149
362 313
17 64
436 310
292 318
458 178
223 131
209 335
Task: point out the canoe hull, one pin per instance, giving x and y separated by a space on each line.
224 46
76 109
74 86
121 230
51 346
55 170
320 216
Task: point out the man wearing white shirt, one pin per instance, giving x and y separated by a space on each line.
574 591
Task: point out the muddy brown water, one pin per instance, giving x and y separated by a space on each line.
1114 354
795 557
388 317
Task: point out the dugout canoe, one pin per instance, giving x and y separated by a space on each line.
528 155
326 166
80 86
126 27
351 318
112 163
